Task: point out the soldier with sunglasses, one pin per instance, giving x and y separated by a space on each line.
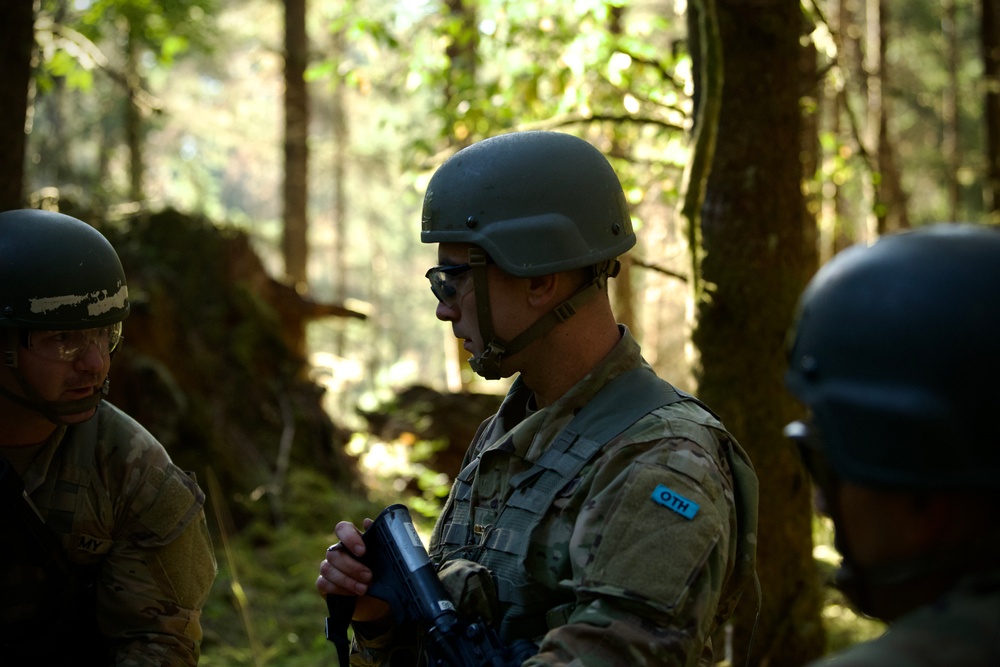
601 514
106 557
895 354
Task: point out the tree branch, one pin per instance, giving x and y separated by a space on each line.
660 269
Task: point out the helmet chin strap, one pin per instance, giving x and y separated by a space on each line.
54 410
496 349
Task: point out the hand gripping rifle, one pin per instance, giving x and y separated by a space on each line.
404 576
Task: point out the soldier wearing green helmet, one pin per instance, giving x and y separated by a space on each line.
106 558
601 514
894 353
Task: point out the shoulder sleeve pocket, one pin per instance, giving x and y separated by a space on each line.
172 501
657 539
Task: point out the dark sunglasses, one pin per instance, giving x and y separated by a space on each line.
446 280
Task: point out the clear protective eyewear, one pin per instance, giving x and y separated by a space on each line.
73 344
448 282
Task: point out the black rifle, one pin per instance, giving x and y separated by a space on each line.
404 576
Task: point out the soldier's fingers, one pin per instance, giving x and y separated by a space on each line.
350 537
333 579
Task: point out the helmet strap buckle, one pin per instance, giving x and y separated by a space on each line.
494 350
10 348
477 257
488 363
564 311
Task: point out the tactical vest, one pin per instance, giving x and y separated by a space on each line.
503 546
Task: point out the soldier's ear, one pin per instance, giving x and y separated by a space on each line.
547 290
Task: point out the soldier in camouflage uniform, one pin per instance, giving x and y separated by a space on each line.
895 355
624 539
106 555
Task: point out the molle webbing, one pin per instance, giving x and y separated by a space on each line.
621 403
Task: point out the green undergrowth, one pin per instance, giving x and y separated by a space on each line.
264 608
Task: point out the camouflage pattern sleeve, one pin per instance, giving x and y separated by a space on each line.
158 575
159 566
651 552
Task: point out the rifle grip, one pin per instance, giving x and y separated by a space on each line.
341 609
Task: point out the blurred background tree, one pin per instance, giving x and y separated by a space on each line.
263 178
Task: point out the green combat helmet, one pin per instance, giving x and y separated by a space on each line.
57 273
535 203
895 354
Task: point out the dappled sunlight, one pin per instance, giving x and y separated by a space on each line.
395 470
826 553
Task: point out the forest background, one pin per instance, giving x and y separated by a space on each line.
260 167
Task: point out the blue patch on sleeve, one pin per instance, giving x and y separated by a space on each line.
673 500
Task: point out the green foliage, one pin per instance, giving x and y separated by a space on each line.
166 27
264 608
401 469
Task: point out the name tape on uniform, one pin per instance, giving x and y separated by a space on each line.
675 501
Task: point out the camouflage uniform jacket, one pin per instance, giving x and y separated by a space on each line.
120 508
625 578
960 628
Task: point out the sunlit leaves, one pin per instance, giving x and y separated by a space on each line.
167 28
495 64
61 64
172 46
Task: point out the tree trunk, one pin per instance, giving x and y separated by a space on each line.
621 287
870 74
990 39
295 246
17 30
831 226
462 51
756 262
950 110
338 120
891 201
463 58
133 118
812 92
856 134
